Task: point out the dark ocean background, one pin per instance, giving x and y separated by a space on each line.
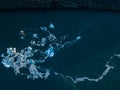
100 32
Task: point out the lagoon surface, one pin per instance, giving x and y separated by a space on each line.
100 32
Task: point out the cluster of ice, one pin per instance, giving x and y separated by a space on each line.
40 49
42 46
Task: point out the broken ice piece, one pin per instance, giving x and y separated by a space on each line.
51 26
47 73
6 62
2 55
79 37
43 41
11 51
22 34
35 35
43 28
50 52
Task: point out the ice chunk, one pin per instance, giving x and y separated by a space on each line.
31 61
22 34
50 52
11 51
47 73
51 26
22 37
43 28
35 35
29 48
78 37
43 41
2 55
6 62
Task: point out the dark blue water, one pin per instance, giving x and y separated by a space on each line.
100 33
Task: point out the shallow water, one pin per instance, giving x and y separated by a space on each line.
100 32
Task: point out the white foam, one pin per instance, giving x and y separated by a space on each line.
81 79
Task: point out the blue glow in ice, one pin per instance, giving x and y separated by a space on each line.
6 62
50 52
35 35
51 26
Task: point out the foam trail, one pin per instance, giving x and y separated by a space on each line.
117 55
81 79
